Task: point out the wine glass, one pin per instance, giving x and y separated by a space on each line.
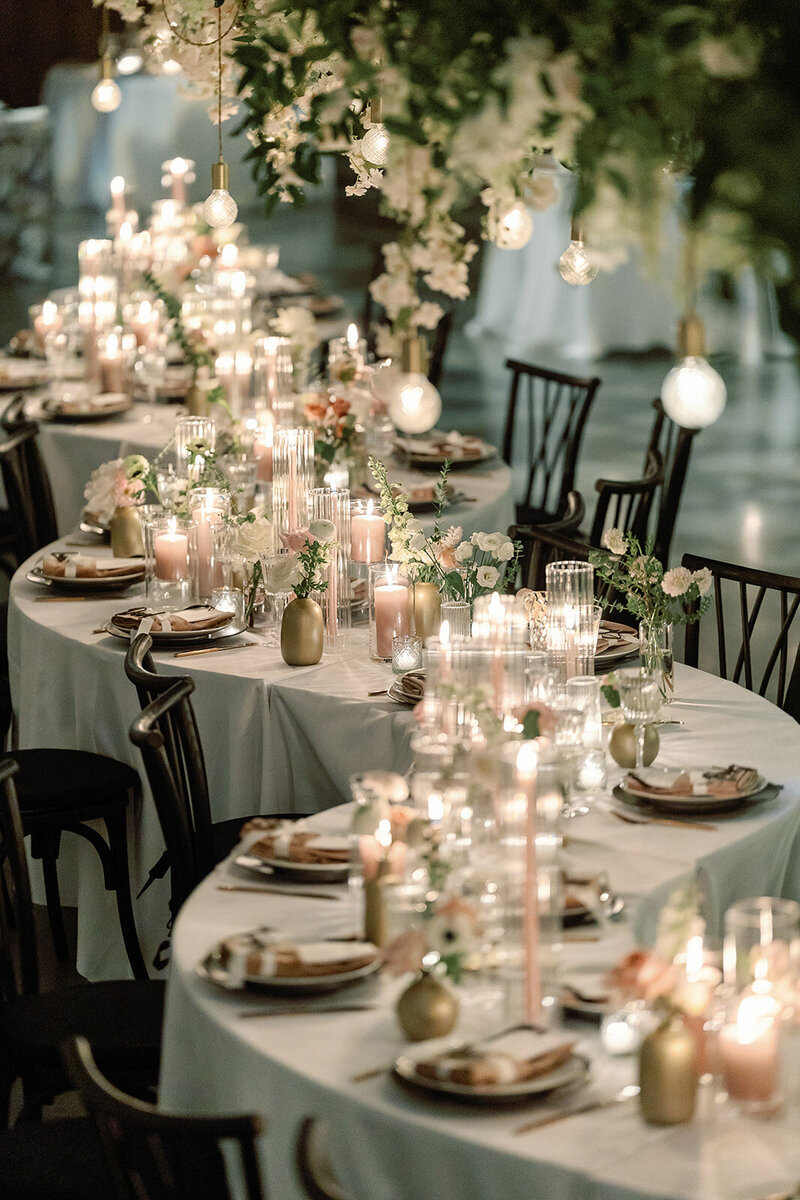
640 701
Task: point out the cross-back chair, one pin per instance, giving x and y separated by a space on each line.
765 652
626 504
569 524
31 520
163 1156
674 444
122 1017
542 545
547 413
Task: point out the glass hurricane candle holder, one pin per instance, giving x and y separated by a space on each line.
229 599
458 615
292 477
761 947
193 434
334 506
390 610
367 532
208 509
274 378
571 640
406 653
169 575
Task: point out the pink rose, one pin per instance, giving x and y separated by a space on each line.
295 539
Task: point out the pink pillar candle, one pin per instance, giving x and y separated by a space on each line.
748 1050
526 771
367 536
392 614
262 449
172 556
209 573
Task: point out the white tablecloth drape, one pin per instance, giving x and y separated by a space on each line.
388 1143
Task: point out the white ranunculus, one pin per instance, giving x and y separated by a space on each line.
487 576
615 541
282 574
677 581
704 580
463 553
323 532
254 539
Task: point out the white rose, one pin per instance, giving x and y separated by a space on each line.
254 539
323 532
463 553
704 580
505 551
282 574
487 576
615 541
677 581
480 540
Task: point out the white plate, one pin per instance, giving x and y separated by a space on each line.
115 403
18 375
107 583
307 872
429 457
212 969
574 1070
176 637
665 776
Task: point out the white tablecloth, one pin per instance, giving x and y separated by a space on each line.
388 1144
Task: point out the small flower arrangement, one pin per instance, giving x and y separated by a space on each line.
301 570
486 563
334 425
449 934
655 596
253 538
119 483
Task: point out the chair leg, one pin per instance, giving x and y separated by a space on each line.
47 847
118 845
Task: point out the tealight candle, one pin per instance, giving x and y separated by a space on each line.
367 535
111 362
406 653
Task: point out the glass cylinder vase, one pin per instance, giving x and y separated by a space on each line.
390 610
274 378
655 649
292 477
334 506
571 638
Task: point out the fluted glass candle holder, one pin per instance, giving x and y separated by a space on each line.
571 637
292 477
208 509
458 615
334 506
193 434
274 378
406 653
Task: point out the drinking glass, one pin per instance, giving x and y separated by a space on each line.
570 617
569 755
762 942
640 701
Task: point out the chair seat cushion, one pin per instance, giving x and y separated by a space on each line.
59 779
54 1160
122 1020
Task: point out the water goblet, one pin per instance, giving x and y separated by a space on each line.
640 701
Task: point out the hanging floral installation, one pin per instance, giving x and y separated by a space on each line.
436 105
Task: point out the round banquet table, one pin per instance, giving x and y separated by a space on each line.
388 1143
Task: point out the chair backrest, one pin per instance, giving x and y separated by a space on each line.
626 504
178 781
766 645
568 524
28 493
154 1155
554 408
674 444
19 968
543 545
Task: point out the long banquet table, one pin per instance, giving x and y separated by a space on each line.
390 1144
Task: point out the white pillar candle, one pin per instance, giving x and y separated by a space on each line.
172 555
112 365
262 450
748 1050
209 573
392 614
367 536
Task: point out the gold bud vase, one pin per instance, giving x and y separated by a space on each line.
197 401
427 605
302 631
667 1074
126 533
426 1009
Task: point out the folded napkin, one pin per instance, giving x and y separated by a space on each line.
412 685
258 956
723 783
189 620
301 846
590 988
85 404
81 566
443 443
517 1056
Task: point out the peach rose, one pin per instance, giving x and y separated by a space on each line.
295 539
315 412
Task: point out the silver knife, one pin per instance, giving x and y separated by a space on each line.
286 1011
578 1109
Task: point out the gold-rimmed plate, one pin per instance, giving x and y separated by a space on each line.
575 1071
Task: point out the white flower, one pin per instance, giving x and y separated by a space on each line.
677 581
100 492
496 544
253 539
505 550
451 539
282 574
479 540
487 576
323 532
453 928
463 553
615 541
704 580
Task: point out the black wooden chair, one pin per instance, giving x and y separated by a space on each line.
543 545
569 525
766 654
553 409
30 521
153 1155
626 504
674 445
122 1017
59 1159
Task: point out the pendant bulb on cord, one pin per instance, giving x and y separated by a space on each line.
575 266
220 209
375 143
106 96
693 393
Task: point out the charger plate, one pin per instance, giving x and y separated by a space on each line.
574 1070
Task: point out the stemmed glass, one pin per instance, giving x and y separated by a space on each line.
640 701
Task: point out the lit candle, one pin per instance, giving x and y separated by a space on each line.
117 187
227 258
367 536
749 1050
392 613
374 884
208 572
111 364
144 323
262 450
527 763
49 319
178 172
353 346
172 554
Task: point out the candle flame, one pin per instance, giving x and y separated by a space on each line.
229 254
352 335
435 806
145 311
179 166
444 633
527 761
168 210
125 231
754 1018
172 524
49 312
694 957
112 345
383 834
117 185
370 504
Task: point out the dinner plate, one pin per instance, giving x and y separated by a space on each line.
573 1071
177 638
305 872
666 776
695 806
212 969
434 459
117 402
105 584
18 375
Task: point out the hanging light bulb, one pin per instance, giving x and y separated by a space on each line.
106 95
512 229
413 403
375 143
575 266
693 393
220 209
130 61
